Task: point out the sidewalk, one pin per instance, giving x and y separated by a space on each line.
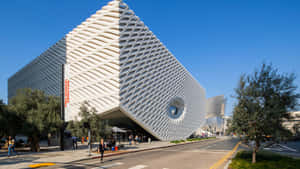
22 161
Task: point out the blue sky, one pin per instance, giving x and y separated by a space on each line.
215 40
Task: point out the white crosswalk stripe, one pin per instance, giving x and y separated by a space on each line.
109 166
138 167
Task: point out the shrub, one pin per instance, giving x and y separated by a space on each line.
265 160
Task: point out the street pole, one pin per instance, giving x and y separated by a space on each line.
62 114
89 134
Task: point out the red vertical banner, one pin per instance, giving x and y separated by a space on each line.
67 93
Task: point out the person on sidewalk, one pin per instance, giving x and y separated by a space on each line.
136 139
101 149
74 143
129 139
13 146
82 140
10 146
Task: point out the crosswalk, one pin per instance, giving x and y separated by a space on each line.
109 166
139 167
116 164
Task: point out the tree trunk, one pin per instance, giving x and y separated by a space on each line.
254 156
35 145
49 139
255 149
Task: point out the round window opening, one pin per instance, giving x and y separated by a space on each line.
176 108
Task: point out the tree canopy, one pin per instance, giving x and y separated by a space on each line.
264 100
99 127
36 114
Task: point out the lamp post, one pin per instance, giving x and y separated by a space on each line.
89 134
87 125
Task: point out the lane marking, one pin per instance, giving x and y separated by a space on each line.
109 166
197 151
223 159
41 165
138 167
289 148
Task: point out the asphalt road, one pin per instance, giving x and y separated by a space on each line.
201 155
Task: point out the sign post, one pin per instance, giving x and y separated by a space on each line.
65 100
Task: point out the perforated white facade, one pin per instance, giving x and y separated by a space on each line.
117 64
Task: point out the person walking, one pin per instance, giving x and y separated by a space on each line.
13 146
74 143
10 146
136 139
101 149
129 139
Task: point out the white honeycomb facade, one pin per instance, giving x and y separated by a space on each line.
93 57
43 73
116 63
151 77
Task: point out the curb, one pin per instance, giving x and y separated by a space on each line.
41 165
142 150
228 156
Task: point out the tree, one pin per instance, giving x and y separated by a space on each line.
8 121
264 100
228 126
3 121
37 113
99 128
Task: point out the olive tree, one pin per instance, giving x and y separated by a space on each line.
264 100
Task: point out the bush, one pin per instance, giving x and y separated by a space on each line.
177 141
265 160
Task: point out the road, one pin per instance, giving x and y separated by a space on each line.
200 155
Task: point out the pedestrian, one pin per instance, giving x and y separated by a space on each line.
82 140
136 139
129 139
10 145
101 149
74 143
149 140
13 145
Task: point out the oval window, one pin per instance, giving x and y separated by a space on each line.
176 108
